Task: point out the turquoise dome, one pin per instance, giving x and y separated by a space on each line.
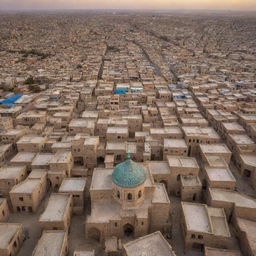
128 174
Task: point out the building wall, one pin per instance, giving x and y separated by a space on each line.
14 244
4 211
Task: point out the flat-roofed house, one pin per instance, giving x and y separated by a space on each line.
241 144
233 202
52 243
6 151
190 188
28 194
152 244
247 167
41 161
31 143
75 187
175 147
11 135
10 176
160 170
60 167
204 226
81 126
221 150
198 135
64 116
166 133
231 128
181 165
117 134
58 212
23 159
245 231
221 177
11 238
91 145
29 118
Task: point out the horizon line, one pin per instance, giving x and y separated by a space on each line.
127 9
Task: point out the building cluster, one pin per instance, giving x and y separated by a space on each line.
134 133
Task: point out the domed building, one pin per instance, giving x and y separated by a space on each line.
126 202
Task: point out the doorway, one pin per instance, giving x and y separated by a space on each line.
128 230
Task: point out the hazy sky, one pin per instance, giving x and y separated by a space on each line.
129 4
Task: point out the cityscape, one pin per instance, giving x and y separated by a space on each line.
127 133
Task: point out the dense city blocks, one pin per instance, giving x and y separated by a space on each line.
127 133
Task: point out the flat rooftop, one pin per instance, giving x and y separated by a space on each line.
101 179
214 148
31 139
228 196
242 139
220 174
73 184
26 187
152 244
56 208
114 129
115 146
12 132
233 126
159 167
216 161
60 157
11 172
50 243
220 252
218 221
160 195
206 132
190 181
180 161
26 157
197 218
7 232
175 143
249 228
81 123
42 159
249 159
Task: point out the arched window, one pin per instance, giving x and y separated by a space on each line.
118 194
139 194
129 196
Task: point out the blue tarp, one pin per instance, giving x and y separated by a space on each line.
11 100
121 91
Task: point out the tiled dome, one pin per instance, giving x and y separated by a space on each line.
128 174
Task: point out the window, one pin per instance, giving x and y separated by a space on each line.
115 224
142 223
193 236
21 199
118 194
139 194
129 196
200 237
178 177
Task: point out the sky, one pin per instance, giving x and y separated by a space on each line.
129 4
